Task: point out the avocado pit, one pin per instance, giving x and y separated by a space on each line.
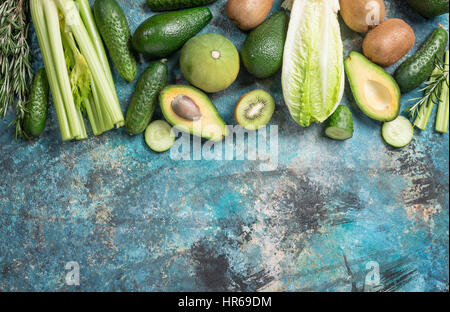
186 108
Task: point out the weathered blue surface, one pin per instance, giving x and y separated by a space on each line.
138 221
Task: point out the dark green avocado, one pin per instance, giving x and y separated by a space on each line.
163 34
262 54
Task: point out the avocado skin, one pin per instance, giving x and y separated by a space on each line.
429 8
168 5
163 34
262 54
418 68
37 105
145 98
113 27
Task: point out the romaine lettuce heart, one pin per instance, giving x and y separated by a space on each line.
313 76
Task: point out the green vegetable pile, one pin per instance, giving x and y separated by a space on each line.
304 42
77 67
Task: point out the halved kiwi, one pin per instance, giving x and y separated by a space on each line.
254 110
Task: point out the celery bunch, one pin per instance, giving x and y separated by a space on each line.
443 110
77 67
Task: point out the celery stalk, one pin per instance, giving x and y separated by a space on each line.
75 24
98 106
83 134
89 23
52 19
92 115
38 17
81 81
443 110
109 123
423 116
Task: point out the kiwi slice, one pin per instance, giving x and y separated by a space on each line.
254 110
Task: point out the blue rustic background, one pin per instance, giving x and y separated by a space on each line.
138 221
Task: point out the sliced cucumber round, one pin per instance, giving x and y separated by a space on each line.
159 136
398 133
340 124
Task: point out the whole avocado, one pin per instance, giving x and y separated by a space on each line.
429 8
262 53
113 27
163 34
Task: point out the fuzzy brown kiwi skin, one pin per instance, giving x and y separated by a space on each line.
248 14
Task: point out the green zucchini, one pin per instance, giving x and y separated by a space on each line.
340 124
145 98
37 105
398 133
169 5
113 27
418 68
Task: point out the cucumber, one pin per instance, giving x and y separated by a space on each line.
114 29
37 106
163 34
398 133
340 124
159 136
429 8
418 68
145 98
168 5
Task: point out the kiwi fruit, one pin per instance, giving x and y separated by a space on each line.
248 14
389 42
254 110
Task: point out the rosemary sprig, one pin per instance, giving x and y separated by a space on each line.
15 68
431 88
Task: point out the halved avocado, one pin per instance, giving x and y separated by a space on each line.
190 110
376 92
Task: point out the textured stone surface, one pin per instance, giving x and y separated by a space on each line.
138 221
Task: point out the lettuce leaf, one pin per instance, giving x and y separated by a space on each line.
313 66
